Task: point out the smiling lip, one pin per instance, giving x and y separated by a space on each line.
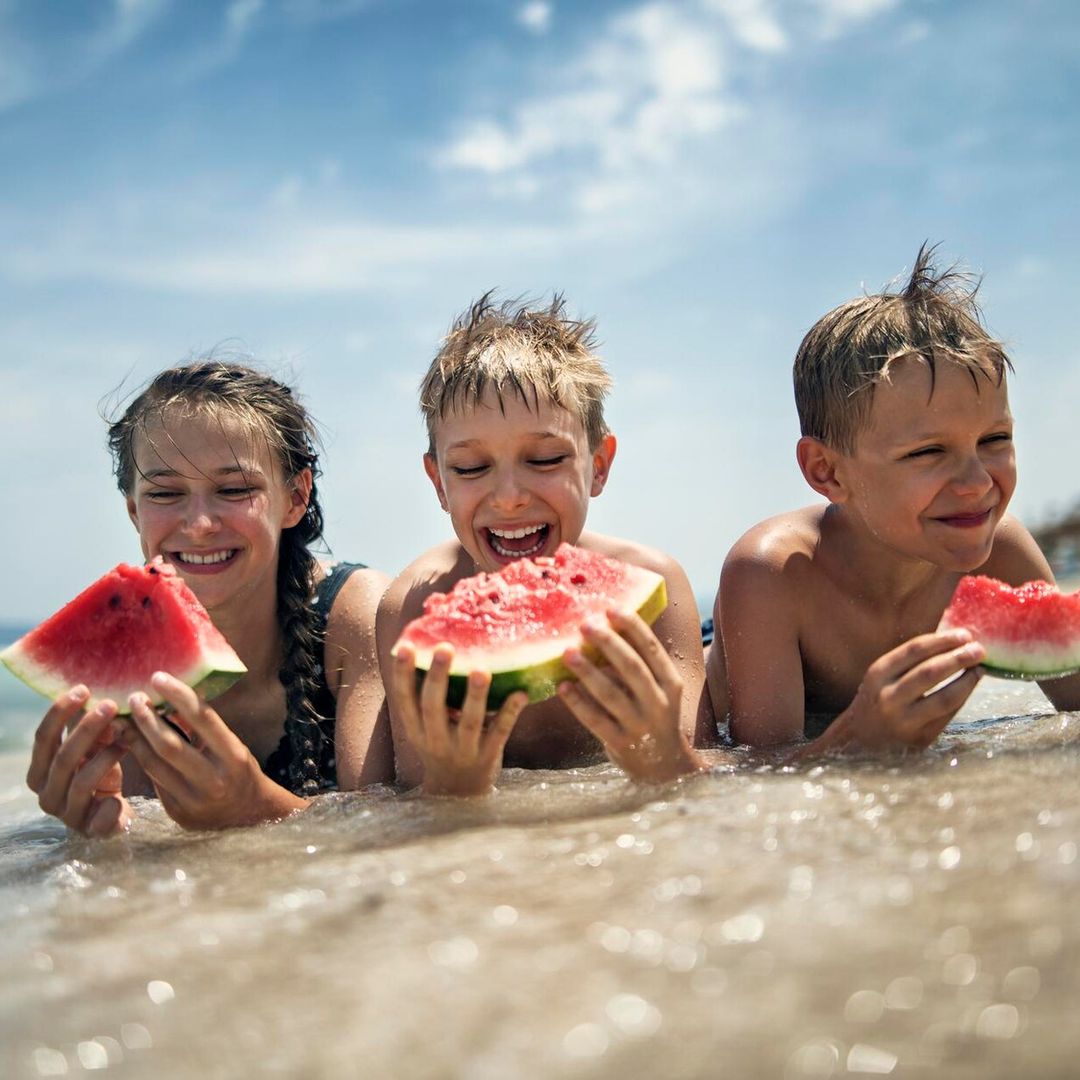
966 521
204 562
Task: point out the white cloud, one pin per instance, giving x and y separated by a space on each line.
654 80
752 23
536 16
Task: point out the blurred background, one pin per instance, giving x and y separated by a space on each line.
324 185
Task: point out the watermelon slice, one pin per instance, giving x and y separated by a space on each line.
518 623
1030 632
114 635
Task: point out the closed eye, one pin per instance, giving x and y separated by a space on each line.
236 492
998 437
924 451
467 470
550 462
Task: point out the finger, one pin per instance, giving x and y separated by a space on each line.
107 817
601 689
938 709
403 693
435 719
50 734
473 710
632 669
168 781
923 677
590 715
83 791
904 657
499 729
84 737
167 745
641 637
197 720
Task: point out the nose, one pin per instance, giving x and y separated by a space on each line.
972 476
509 495
200 518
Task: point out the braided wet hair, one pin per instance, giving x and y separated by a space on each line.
269 408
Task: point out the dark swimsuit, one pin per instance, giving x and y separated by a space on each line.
277 764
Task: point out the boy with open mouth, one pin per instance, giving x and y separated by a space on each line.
517 448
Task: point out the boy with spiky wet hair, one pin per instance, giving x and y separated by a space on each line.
828 614
517 446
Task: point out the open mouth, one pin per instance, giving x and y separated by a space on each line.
204 561
520 543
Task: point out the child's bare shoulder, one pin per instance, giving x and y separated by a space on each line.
629 551
437 570
1015 557
779 544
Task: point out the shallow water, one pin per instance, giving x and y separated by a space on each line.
915 917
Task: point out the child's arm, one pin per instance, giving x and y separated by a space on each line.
893 708
756 621
363 749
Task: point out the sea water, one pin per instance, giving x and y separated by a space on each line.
913 917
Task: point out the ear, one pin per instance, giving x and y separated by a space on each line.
818 463
602 458
133 513
299 496
431 467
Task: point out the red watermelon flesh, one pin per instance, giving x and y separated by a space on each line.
114 635
1029 632
517 623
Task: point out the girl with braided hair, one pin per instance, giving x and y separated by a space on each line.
218 465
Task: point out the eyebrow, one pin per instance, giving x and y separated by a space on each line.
226 470
465 444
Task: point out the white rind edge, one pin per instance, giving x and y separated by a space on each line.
41 679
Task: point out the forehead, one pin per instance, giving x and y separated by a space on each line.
911 399
495 417
202 442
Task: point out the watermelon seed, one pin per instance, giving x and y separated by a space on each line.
114 601
146 601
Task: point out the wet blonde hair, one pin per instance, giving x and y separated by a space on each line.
518 349
933 318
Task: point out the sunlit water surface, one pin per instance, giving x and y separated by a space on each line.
915 917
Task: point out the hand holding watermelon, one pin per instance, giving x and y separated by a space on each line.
632 705
904 700
461 752
78 779
210 779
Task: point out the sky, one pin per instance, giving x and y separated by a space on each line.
324 184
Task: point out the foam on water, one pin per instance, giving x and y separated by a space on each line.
908 917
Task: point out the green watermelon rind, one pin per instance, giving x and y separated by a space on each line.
1005 670
210 679
540 680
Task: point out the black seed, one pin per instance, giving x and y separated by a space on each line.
114 601
146 601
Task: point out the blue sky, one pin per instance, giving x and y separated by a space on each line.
325 184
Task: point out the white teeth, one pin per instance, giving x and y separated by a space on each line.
515 534
537 547
205 560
